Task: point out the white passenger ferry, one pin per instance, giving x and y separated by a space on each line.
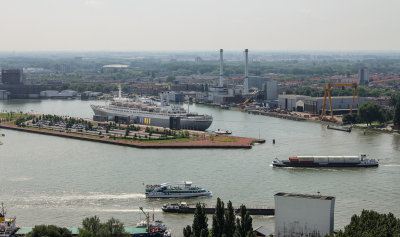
182 189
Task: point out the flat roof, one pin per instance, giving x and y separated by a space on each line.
116 66
305 196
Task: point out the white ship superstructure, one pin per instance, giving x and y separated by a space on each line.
147 112
183 189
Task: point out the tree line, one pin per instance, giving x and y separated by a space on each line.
91 227
371 224
370 112
224 222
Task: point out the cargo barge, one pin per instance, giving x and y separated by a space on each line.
184 208
339 128
326 161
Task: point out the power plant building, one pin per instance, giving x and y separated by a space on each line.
265 84
298 215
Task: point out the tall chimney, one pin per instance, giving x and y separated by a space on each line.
221 68
246 72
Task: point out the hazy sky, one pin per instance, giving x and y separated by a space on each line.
199 25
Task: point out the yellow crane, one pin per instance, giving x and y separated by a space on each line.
328 93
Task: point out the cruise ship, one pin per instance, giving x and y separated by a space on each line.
147 112
326 161
182 189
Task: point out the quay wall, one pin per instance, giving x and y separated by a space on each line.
241 143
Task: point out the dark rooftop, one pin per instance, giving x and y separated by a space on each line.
305 196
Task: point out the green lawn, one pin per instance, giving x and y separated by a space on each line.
157 140
13 116
225 139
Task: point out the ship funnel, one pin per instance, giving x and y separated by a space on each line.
221 68
246 72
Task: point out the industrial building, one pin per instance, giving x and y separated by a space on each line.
4 95
11 76
314 105
265 84
175 97
288 102
60 95
298 215
220 90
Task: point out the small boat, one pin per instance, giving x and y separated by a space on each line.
222 132
8 227
339 128
182 189
326 161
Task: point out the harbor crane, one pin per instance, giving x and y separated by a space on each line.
328 93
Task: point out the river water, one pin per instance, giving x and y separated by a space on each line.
52 180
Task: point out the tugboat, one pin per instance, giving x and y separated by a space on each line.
8 226
153 228
222 132
326 161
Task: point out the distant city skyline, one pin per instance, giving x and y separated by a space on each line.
193 25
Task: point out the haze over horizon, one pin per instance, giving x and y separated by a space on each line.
190 25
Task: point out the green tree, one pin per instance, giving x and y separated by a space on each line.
396 118
229 225
85 233
200 221
349 118
372 224
370 112
170 79
244 226
49 231
92 224
187 232
218 219
113 228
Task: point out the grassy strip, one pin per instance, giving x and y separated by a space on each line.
225 139
157 140
13 116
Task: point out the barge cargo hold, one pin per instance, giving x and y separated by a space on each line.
326 161
184 208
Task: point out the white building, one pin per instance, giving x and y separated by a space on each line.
216 91
298 215
56 94
363 74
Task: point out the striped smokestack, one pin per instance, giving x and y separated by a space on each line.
221 68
